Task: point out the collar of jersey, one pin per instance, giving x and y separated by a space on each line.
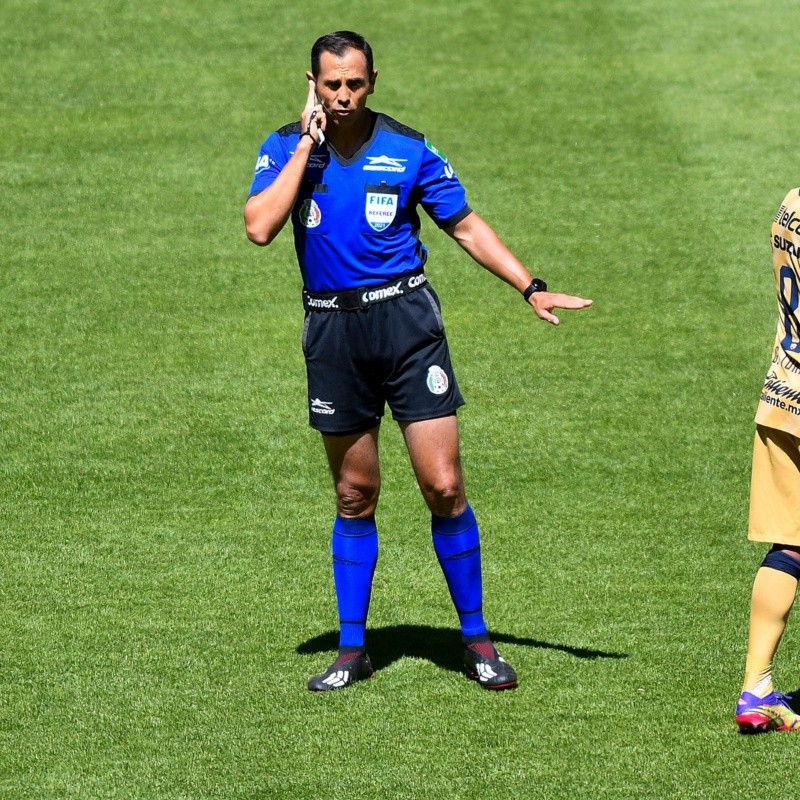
359 154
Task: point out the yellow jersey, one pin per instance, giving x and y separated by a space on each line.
779 405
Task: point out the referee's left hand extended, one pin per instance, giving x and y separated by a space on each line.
544 302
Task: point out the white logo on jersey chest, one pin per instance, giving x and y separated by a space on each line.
385 164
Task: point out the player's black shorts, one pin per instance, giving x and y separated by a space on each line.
391 352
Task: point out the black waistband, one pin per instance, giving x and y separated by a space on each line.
353 299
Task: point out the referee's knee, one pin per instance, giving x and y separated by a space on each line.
356 501
445 499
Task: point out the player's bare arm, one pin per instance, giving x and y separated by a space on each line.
478 239
266 213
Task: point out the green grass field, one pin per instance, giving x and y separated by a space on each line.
165 511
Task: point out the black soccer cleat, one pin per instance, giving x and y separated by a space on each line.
485 665
347 669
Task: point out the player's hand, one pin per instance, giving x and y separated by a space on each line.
313 118
544 302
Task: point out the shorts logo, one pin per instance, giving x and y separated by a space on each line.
437 380
380 210
322 406
310 215
385 164
417 280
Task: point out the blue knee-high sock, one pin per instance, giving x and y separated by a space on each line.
354 545
456 541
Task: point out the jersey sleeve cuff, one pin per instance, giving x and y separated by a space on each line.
455 219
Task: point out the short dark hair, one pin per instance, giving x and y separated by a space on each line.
338 43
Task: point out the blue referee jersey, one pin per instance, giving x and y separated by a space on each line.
355 220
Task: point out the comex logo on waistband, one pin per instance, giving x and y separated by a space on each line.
318 302
383 293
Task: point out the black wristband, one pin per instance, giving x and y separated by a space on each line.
308 133
536 285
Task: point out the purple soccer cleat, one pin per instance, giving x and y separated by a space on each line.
763 714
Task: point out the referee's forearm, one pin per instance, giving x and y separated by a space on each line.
485 247
266 213
506 267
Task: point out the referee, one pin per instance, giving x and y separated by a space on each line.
352 180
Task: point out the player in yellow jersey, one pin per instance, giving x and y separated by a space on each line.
775 490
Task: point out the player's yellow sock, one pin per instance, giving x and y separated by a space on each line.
773 596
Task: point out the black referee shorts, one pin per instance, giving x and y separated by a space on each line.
391 352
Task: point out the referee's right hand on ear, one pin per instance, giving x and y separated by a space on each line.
312 120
